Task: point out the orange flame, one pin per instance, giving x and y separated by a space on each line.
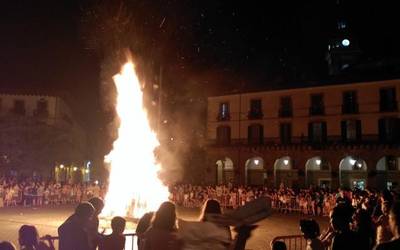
134 187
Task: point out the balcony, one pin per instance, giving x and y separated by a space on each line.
255 115
350 109
223 117
317 110
385 106
285 112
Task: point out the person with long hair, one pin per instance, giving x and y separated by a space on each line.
28 238
162 234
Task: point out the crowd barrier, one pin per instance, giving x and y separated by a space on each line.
130 243
293 242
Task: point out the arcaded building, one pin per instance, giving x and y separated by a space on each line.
327 136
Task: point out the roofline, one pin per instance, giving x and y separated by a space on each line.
309 87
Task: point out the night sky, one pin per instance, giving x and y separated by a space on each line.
215 42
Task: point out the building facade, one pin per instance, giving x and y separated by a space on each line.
328 136
37 132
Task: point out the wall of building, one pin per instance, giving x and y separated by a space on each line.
370 149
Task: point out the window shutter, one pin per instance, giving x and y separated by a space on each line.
381 129
324 132
344 131
358 130
310 132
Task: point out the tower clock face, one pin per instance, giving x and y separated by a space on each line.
345 42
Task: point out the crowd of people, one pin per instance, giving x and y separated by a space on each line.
315 202
359 219
33 192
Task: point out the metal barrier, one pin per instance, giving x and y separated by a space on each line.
293 242
131 235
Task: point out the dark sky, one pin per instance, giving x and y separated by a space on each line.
269 41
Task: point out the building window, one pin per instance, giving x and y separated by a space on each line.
317 132
223 135
286 133
350 104
255 109
286 109
389 129
223 113
388 102
317 105
255 134
19 107
351 130
42 108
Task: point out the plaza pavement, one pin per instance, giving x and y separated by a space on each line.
47 219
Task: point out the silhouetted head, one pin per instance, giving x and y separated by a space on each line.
340 217
210 207
84 211
165 217
28 236
118 225
310 228
278 245
98 204
5 245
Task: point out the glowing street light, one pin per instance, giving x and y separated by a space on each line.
87 171
318 162
61 166
352 161
256 161
286 162
75 168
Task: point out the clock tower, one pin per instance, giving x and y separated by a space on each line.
343 51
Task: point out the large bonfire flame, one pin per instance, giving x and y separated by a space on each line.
134 187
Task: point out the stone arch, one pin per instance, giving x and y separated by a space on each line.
318 172
353 172
388 172
254 171
224 169
284 172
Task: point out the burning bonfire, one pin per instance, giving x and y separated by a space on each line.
134 187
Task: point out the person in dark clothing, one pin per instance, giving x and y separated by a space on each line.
93 224
362 225
394 222
344 238
72 233
116 240
142 226
5 245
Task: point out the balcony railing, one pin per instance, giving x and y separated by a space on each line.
223 117
386 106
285 112
317 110
254 115
350 109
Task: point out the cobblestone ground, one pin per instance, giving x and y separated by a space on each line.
47 220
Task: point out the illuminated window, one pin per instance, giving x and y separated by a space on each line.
223 114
